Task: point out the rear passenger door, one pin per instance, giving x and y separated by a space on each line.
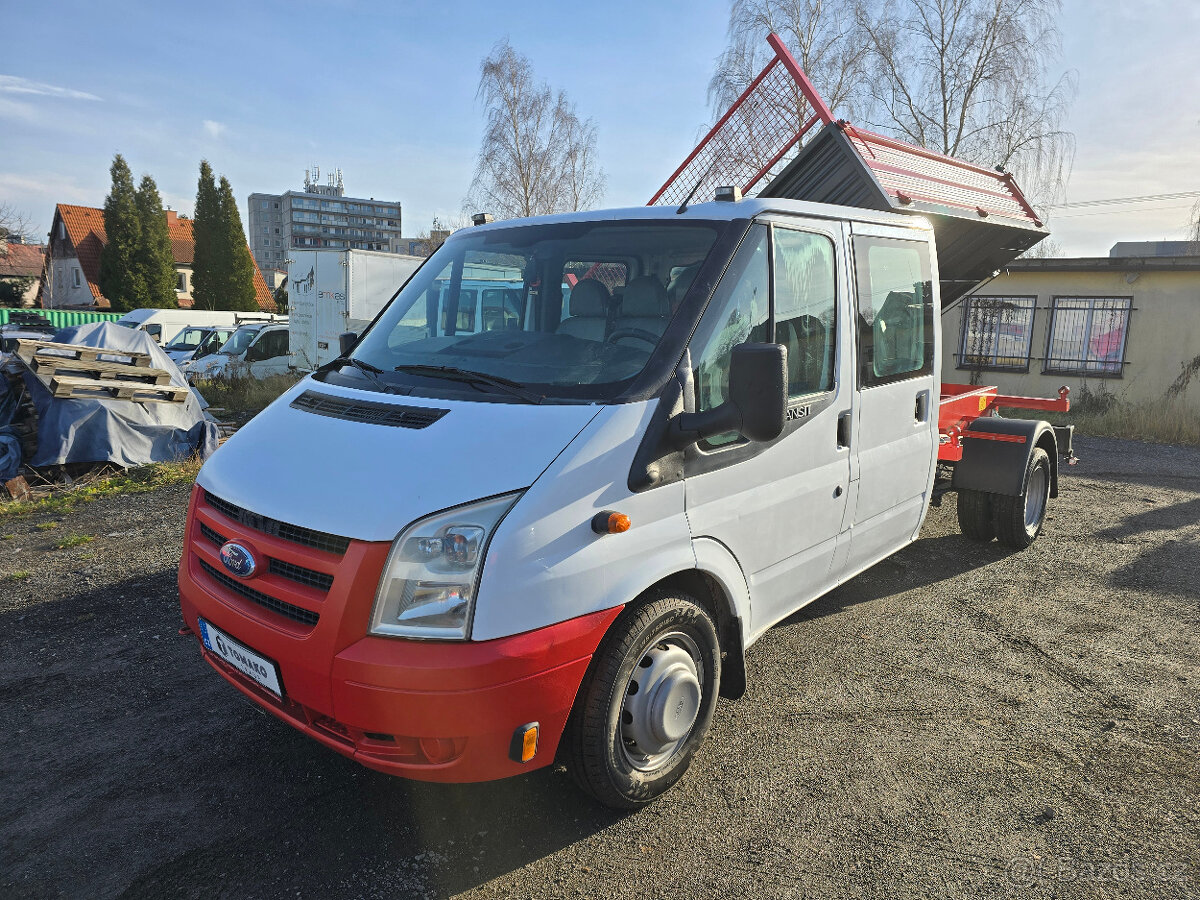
896 433
778 506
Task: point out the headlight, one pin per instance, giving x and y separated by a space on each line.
432 572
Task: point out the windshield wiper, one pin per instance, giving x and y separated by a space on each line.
470 377
370 372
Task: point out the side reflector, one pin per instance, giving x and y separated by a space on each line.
609 522
524 743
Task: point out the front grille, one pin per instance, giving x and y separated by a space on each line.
368 411
301 575
215 536
318 540
287 610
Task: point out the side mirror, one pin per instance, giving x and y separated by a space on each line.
757 401
346 342
155 331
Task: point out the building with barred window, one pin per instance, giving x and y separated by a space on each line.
1126 324
320 216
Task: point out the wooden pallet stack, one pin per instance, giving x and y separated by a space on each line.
71 371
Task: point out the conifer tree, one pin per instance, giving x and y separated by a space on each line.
206 261
121 277
154 257
239 271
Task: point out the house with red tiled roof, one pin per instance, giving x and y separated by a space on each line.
71 276
21 265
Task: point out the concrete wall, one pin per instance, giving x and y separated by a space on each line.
1163 332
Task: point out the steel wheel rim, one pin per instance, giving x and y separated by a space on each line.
661 702
1035 498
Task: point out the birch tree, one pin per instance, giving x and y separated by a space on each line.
537 155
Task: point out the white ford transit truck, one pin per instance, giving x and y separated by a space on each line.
556 531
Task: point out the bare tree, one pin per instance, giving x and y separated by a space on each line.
963 77
969 78
822 35
1193 229
537 156
15 223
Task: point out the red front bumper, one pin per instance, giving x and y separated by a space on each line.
434 711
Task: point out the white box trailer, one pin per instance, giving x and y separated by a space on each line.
332 291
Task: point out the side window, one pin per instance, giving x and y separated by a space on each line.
805 309
738 313
895 309
501 309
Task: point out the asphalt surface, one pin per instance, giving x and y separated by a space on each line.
961 721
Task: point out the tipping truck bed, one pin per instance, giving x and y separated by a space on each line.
780 139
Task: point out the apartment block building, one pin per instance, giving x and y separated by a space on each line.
320 216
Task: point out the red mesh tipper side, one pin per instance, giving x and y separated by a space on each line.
754 136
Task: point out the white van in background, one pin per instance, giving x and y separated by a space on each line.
164 324
255 350
197 342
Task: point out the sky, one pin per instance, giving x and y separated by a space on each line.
387 93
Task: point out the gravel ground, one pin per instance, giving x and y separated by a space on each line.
958 722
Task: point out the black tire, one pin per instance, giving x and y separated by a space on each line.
599 752
1018 520
975 515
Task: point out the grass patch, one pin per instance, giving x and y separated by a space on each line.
244 397
8 537
46 526
74 540
131 481
1162 421
19 576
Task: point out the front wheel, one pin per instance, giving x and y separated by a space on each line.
1018 520
647 702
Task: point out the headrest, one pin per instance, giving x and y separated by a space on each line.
644 296
589 298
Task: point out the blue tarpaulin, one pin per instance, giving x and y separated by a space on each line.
124 432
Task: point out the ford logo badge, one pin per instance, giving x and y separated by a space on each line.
238 560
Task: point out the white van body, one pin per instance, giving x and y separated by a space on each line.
536 547
254 350
164 324
334 291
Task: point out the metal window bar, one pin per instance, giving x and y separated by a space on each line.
997 333
768 120
1087 335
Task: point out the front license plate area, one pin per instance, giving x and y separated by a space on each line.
254 666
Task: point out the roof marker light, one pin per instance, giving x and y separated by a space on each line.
728 193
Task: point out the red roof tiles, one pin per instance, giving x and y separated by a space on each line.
85 229
21 260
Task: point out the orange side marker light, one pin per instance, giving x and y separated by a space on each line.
524 743
609 522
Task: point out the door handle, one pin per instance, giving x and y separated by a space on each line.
843 430
921 410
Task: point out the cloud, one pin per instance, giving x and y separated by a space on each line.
15 84
214 129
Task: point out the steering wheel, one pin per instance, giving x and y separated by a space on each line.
640 334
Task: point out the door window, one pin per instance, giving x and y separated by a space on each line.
738 313
805 309
895 309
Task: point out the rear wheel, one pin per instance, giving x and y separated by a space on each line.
975 515
647 702
1018 520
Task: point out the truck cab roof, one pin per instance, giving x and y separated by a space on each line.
746 208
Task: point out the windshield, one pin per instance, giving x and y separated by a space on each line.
188 339
569 309
242 338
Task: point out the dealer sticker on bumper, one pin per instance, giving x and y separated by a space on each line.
253 665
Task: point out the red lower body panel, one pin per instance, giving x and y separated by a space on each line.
427 710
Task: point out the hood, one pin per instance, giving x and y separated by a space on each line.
207 365
367 481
